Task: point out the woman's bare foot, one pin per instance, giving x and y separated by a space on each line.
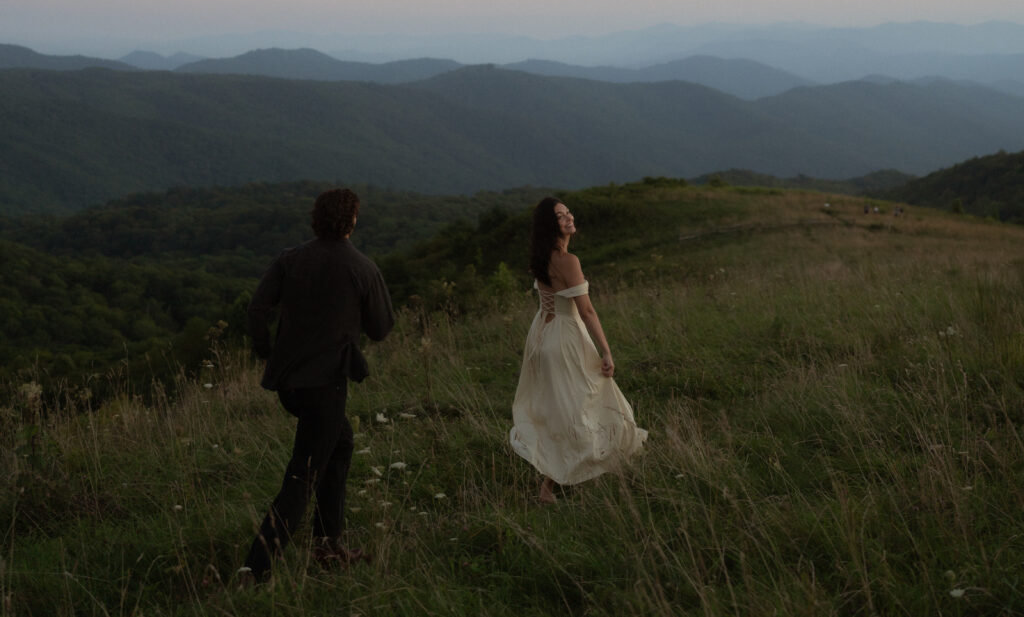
547 495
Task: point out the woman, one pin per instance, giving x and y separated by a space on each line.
571 421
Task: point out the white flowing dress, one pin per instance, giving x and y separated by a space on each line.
569 421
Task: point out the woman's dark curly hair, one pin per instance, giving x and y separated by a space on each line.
543 236
334 214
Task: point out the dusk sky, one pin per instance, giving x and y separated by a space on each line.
57 24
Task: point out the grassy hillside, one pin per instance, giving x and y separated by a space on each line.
71 139
870 184
834 402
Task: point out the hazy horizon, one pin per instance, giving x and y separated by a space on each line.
112 28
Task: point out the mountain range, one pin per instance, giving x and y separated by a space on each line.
990 54
16 57
315 65
152 61
743 78
73 138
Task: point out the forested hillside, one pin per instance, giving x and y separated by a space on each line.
139 281
984 186
71 139
72 320
235 230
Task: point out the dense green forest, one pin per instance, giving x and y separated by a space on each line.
983 186
137 284
236 230
71 318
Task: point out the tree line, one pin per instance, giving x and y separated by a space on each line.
137 283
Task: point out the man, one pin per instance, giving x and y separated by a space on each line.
326 293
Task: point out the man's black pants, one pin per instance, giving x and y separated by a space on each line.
319 464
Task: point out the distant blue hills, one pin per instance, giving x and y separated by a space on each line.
70 138
746 62
76 130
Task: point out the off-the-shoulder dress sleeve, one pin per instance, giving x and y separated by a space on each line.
576 290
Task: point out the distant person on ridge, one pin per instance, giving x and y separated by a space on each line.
326 293
571 422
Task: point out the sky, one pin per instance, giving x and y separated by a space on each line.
59 26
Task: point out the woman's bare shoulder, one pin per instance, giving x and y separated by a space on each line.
568 268
565 260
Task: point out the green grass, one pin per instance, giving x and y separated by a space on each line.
834 402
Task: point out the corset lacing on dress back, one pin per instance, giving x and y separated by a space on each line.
555 302
547 301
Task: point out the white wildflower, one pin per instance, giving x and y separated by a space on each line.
363 451
372 481
381 525
382 419
207 385
440 496
407 416
377 471
178 507
957 593
399 465
384 504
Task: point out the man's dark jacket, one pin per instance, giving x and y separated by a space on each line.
327 292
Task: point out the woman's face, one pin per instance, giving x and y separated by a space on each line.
566 222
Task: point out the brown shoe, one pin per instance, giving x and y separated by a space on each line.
354 555
328 558
338 557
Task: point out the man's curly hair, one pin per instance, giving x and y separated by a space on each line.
334 214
